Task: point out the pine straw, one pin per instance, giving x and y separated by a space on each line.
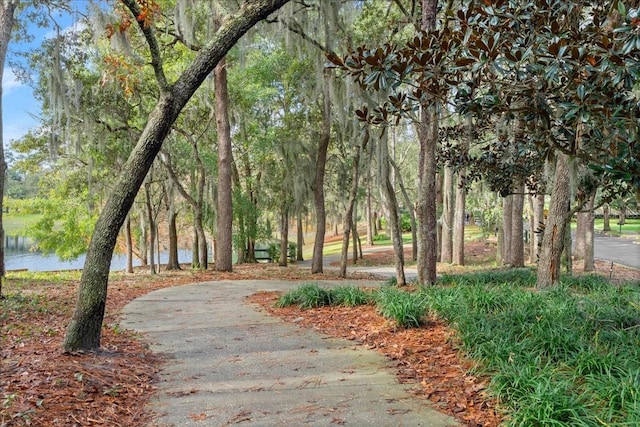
425 357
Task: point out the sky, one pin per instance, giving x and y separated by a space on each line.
19 108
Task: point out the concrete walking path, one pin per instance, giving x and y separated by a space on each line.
230 363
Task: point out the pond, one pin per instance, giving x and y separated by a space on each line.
19 256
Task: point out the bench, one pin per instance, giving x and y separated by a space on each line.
262 254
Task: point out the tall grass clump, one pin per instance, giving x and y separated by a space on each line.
309 295
350 296
568 355
406 309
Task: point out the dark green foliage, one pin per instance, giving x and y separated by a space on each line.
406 309
350 296
306 296
569 355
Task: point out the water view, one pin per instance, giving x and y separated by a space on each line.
19 256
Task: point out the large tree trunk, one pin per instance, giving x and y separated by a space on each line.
7 21
507 229
152 227
391 202
517 238
318 186
447 217
224 254
554 230
426 204
173 263
299 237
348 215
143 250
537 226
369 212
586 221
605 218
459 222
412 214
84 329
284 236
460 214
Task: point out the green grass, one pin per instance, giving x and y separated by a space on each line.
309 295
631 227
14 225
405 309
569 355
350 296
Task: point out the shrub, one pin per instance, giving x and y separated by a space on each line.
306 296
405 309
350 296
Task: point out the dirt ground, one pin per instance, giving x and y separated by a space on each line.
42 386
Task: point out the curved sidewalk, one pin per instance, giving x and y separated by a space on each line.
230 363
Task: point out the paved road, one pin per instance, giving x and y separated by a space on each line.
625 251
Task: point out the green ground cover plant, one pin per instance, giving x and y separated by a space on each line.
566 356
569 355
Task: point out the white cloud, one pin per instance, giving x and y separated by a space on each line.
9 82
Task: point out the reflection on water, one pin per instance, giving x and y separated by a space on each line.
19 257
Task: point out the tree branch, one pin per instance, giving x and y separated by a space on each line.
152 41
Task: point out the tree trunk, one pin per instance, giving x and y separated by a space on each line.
582 222
354 235
203 252
370 218
195 248
142 241
517 226
7 21
300 237
173 263
84 329
426 204
507 229
605 218
589 219
568 242
284 236
152 228
224 254
391 202
447 217
318 187
537 226
459 221
460 214
348 215
412 214
554 230
129 242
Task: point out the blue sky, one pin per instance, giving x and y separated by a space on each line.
18 104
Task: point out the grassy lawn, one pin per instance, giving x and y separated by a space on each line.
14 225
631 226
